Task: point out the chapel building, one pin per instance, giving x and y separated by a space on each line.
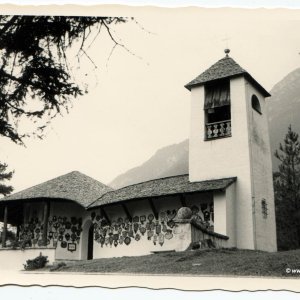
226 200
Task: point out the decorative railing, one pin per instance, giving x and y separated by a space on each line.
218 129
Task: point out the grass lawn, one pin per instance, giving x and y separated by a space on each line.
197 262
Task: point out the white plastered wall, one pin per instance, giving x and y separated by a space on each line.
261 173
224 223
13 260
225 157
68 209
231 227
181 234
143 246
58 208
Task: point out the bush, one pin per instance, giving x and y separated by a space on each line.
21 244
36 263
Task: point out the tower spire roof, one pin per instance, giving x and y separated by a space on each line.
224 68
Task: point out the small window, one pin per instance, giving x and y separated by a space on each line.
264 208
255 104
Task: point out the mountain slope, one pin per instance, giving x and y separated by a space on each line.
167 161
283 109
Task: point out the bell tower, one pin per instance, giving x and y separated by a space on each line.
229 138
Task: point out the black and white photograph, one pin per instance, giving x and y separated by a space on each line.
150 141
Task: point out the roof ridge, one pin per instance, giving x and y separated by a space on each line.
160 178
151 180
63 187
130 185
225 58
215 71
159 187
88 177
31 187
224 68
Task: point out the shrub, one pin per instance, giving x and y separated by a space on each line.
36 263
21 244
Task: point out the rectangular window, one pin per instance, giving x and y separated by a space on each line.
264 208
217 110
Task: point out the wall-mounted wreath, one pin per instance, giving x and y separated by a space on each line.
122 231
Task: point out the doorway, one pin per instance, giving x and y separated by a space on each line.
90 242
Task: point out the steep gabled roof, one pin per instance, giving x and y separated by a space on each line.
162 187
224 68
73 186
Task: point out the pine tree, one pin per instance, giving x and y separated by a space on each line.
36 75
287 191
4 175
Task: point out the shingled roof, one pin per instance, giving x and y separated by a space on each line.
73 186
162 187
224 68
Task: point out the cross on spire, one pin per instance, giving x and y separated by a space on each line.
226 39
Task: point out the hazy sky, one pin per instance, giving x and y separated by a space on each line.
137 103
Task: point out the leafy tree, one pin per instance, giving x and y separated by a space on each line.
34 65
287 191
4 175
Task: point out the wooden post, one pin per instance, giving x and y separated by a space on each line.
128 215
153 208
18 231
104 214
4 227
182 200
24 213
45 223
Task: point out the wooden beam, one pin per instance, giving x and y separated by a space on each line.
4 227
182 200
18 232
45 222
128 215
104 214
154 210
24 213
